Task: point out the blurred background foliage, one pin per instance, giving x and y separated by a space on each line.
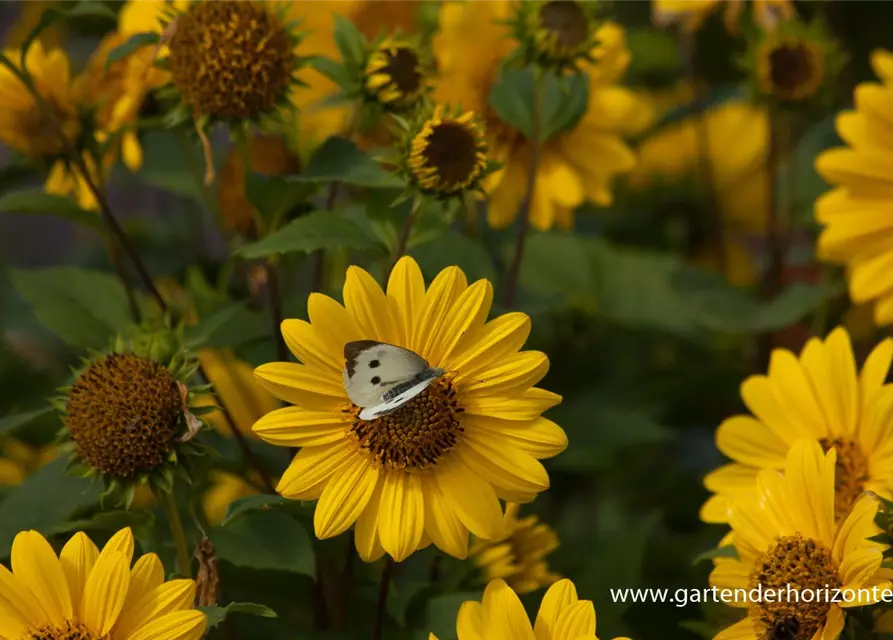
648 343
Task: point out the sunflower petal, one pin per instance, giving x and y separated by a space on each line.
302 386
298 427
17 608
504 615
493 342
440 300
741 630
311 468
105 592
35 564
468 313
503 466
441 524
78 557
366 536
334 326
577 620
146 575
512 375
471 498
541 438
345 497
304 342
175 595
179 625
369 306
526 406
406 287
558 598
401 517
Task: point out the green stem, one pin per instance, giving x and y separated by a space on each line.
511 286
383 589
403 240
173 516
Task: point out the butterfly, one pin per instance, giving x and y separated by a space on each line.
381 377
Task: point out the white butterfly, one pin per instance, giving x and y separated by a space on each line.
381 377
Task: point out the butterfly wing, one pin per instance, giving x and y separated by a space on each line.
373 412
371 368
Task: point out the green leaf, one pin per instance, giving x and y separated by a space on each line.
339 160
141 522
570 277
442 612
332 69
135 43
512 99
601 428
242 506
216 614
10 423
231 326
47 497
350 41
271 540
36 202
84 9
274 196
84 308
563 100
717 305
727 551
315 231
452 248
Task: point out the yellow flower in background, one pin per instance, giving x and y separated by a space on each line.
236 389
86 594
316 119
437 467
518 556
737 135
395 76
786 533
501 616
30 14
857 214
576 166
19 459
691 14
819 395
35 132
225 489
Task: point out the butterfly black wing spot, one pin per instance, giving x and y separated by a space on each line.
373 364
375 380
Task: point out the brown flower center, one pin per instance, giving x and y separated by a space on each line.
850 473
231 60
418 433
809 569
70 631
793 71
566 24
403 68
41 130
449 157
123 414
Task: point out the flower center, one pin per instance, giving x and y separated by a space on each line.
565 25
40 129
446 156
395 74
794 71
123 414
850 473
808 568
71 631
418 433
231 59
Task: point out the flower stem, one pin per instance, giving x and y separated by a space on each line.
173 517
511 285
403 240
705 166
383 589
120 236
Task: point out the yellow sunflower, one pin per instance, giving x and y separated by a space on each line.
786 535
576 166
858 213
33 131
87 594
19 459
518 556
437 467
819 395
501 616
691 14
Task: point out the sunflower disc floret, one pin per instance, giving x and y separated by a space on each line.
395 74
232 60
558 34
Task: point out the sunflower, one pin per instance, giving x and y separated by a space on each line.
691 14
87 594
556 34
501 616
436 468
856 214
787 536
519 555
395 75
44 133
19 459
819 395
577 165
